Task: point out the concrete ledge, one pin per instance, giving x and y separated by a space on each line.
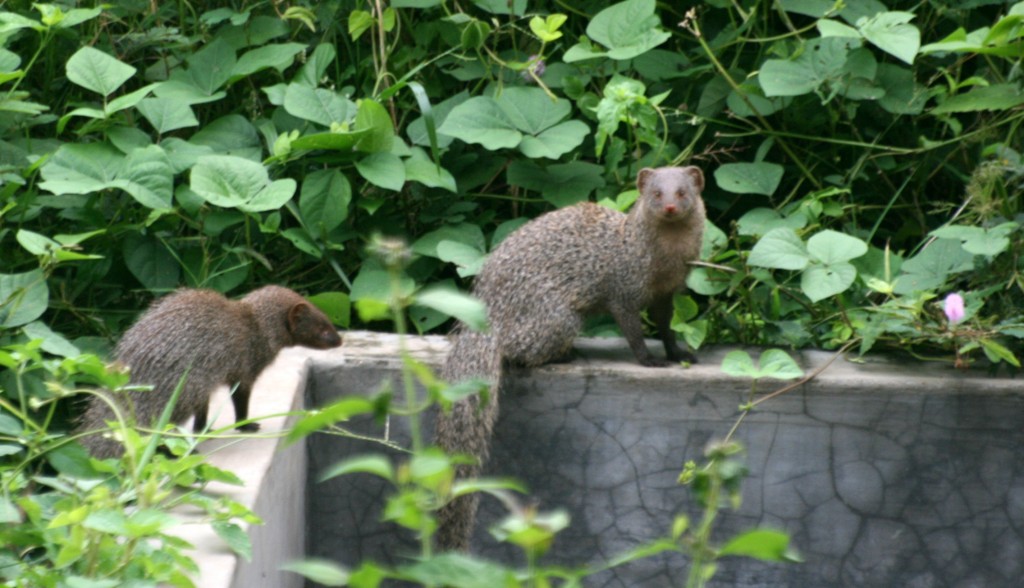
885 473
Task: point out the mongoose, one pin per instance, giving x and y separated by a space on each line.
548 275
217 341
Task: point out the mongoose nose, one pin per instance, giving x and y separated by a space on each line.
670 209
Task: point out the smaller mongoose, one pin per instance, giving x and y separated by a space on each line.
217 341
543 280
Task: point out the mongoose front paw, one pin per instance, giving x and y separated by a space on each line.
249 427
652 361
684 356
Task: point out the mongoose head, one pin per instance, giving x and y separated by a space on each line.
310 327
670 193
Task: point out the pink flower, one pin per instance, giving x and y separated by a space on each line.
953 306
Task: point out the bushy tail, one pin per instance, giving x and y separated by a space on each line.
467 428
93 421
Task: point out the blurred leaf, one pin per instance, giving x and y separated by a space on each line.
321 571
23 298
377 465
321 418
462 306
236 538
762 544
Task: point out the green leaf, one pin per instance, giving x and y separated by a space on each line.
236 538
333 141
628 29
273 56
127 101
996 352
336 305
749 178
107 521
359 21
95 70
324 200
151 263
482 121
54 343
739 364
149 521
23 298
930 268
822 60
233 182
474 35
321 106
320 418
320 571
555 141
758 221
209 68
456 304
978 240
382 169
35 243
166 114
10 425
9 513
374 119
780 248
819 282
377 465
561 184
531 110
831 247
467 234
230 135
763 544
994 97
774 363
890 32
903 95
317 63
77 168
419 168
457 570
513 7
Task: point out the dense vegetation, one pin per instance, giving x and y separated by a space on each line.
866 162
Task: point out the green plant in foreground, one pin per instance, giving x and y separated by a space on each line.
69 520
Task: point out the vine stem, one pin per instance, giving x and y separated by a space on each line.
691 25
754 403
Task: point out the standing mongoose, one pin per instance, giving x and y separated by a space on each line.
548 275
217 341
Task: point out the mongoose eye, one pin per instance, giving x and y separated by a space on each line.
657 194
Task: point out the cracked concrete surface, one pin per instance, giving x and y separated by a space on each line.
885 473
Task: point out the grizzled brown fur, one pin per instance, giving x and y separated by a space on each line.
217 341
550 274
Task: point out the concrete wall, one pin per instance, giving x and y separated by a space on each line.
885 474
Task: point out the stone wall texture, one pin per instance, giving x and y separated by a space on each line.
884 473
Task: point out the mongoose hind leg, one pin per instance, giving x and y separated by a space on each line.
240 400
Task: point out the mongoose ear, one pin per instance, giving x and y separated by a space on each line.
643 177
295 314
696 175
